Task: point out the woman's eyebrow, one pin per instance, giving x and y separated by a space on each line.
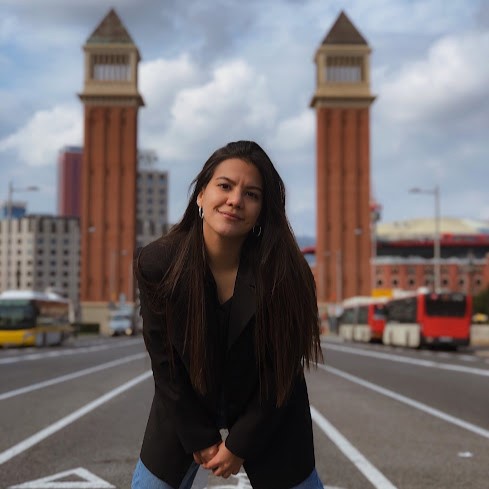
254 187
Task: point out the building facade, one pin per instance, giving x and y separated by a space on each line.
405 255
108 213
69 181
342 102
39 252
152 205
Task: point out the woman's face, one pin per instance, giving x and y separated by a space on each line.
232 200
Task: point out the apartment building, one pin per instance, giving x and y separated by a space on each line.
39 252
152 205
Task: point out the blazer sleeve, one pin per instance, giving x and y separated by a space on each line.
252 431
193 423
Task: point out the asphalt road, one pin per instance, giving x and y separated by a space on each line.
74 417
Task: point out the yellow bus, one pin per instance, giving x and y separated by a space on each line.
30 318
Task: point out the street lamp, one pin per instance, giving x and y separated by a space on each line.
10 195
435 191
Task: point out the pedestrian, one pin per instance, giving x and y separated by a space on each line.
230 320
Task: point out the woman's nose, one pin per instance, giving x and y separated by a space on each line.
235 198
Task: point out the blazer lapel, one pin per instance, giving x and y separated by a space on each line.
243 306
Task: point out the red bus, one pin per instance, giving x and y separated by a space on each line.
363 319
425 318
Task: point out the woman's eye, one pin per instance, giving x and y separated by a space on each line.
253 195
224 186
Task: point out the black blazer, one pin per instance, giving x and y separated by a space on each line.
275 443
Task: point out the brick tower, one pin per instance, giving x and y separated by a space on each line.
108 202
342 101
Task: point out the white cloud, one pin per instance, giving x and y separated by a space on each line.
39 140
233 103
296 133
161 79
446 81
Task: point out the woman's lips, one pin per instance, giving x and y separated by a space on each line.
231 216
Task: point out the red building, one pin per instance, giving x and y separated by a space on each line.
108 214
342 102
69 181
405 255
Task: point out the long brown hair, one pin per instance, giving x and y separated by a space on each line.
287 322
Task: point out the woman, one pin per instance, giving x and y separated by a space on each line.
229 320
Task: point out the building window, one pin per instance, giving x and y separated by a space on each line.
110 67
344 69
380 282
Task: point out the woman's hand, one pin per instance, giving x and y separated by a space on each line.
224 463
205 455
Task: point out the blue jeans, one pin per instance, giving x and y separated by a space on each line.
144 479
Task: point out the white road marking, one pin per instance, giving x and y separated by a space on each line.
74 375
412 361
69 351
466 358
63 422
378 480
410 402
84 480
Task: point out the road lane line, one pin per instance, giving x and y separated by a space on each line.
410 402
63 422
71 351
74 375
378 480
413 361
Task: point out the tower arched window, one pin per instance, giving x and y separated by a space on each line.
344 69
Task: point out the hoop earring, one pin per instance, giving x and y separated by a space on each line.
201 212
256 230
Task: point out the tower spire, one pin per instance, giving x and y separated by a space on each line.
343 32
110 30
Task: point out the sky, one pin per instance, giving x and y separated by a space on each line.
222 70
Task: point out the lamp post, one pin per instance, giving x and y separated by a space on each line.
435 191
10 195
